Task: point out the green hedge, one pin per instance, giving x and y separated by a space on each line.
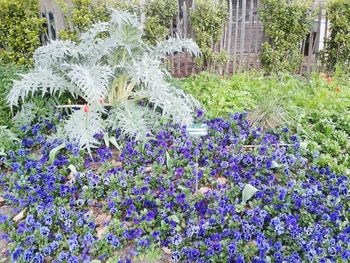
286 24
20 30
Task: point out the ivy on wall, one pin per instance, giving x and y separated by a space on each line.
286 24
20 30
207 20
337 46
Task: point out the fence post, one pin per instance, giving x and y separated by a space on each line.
229 37
250 31
236 37
242 42
143 14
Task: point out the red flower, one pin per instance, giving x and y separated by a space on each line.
86 108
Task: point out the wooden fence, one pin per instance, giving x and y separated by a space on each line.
242 37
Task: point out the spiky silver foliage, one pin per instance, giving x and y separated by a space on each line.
110 63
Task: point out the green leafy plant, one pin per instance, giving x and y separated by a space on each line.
286 24
207 19
8 72
20 30
337 47
110 62
159 14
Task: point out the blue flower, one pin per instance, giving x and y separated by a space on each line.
28 254
116 242
17 253
44 231
73 259
195 254
38 258
231 248
109 237
175 256
63 256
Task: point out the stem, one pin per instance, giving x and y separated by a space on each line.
196 174
78 106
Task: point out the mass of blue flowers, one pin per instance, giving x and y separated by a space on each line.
81 208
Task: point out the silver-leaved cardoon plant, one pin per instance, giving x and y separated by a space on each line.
110 65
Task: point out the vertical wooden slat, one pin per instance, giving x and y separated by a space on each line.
178 55
302 52
143 15
309 59
185 20
194 68
236 37
257 35
171 29
242 42
250 31
229 39
317 41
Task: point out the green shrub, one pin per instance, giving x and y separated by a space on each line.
207 20
20 30
159 14
286 24
337 48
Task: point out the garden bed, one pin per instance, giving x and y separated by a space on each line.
142 205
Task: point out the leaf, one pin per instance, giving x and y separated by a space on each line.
54 152
274 165
106 139
72 168
20 215
303 145
174 218
168 160
248 192
113 141
166 250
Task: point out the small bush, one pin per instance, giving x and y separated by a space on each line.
159 14
20 30
337 48
207 21
286 24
